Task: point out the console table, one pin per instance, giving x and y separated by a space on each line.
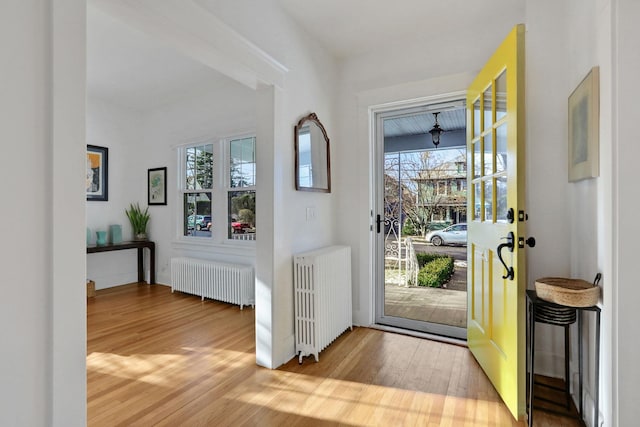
536 305
139 245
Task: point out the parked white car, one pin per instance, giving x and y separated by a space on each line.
455 234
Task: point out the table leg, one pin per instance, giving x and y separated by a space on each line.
152 265
580 369
140 265
532 341
567 372
597 373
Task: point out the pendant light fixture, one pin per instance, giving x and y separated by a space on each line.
436 131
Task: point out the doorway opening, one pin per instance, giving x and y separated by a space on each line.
421 198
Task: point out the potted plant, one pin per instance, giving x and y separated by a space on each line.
139 220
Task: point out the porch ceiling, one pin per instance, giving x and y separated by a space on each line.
421 123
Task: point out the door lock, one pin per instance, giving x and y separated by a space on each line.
531 242
510 216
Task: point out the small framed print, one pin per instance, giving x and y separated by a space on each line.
157 186
584 128
97 183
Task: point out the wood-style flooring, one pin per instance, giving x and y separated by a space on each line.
157 358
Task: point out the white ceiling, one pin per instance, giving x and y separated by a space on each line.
355 27
128 68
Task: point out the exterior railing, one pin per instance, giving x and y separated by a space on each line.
245 236
411 264
401 262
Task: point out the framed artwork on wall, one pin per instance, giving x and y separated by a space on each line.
157 186
584 128
97 183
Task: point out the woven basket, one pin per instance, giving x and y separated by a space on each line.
569 292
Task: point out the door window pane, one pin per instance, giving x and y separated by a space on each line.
476 118
477 159
501 148
488 116
488 154
488 200
477 201
501 95
501 199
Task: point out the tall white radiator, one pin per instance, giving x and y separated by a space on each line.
323 311
232 283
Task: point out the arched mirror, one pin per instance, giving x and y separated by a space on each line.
313 163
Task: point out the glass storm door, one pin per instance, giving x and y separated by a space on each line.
410 174
496 291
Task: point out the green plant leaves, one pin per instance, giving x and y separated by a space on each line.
138 218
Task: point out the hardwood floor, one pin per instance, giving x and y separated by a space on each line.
157 358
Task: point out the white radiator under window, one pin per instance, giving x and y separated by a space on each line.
232 283
323 310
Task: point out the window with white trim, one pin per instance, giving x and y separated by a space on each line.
198 190
241 193
219 204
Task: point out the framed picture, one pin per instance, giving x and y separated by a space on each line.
584 128
157 186
97 184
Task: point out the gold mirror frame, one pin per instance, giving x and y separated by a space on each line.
313 159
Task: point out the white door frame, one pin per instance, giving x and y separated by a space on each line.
376 139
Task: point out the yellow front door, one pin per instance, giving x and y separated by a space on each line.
495 147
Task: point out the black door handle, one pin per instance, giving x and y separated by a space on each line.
509 245
379 220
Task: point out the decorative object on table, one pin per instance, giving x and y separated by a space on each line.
568 292
101 238
115 232
97 183
584 128
157 186
139 220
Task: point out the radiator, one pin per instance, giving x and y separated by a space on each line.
232 283
323 311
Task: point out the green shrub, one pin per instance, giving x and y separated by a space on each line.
424 259
408 229
436 272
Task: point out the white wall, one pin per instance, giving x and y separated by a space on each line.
546 114
25 131
226 111
42 313
589 29
119 129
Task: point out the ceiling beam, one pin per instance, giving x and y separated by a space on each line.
195 32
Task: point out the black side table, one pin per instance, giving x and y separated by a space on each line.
537 309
